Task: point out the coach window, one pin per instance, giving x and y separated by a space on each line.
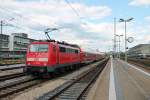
67 50
76 51
62 49
71 51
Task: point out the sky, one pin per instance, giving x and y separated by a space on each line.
88 23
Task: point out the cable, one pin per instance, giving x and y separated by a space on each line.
74 10
77 14
18 15
26 18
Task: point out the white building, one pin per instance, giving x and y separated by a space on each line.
141 49
4 42
19 42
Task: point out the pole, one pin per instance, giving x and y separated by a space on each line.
119 47
116 42
125 21
125 41
1 24
114 37
1 27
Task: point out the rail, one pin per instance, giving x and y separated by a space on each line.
75 89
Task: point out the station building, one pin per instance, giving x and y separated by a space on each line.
4 42
14 42
14 45
141 50
18 42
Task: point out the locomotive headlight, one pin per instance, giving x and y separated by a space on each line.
43 59
30 59
38 59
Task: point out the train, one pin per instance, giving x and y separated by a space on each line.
45 57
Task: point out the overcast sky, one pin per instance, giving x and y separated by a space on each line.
91 27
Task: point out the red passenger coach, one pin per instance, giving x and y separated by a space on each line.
47 56
91 57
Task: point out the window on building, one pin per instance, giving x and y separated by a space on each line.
5 44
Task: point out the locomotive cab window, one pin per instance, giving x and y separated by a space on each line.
38 48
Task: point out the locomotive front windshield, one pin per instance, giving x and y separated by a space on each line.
38 48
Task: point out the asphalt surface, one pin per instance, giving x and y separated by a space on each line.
126 82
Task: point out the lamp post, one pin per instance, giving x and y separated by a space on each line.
125 22
119 44
2 23
114 37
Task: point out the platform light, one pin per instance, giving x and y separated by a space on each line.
125 21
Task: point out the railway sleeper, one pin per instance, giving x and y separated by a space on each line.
76 88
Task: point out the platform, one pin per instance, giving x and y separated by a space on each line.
121 81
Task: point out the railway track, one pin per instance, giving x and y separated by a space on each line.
11 76
6 64
142 63
15 85
75 89
11 67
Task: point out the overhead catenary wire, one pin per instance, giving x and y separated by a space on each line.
73 9
15 24
10 12
18 15
25 27
77 14
24 17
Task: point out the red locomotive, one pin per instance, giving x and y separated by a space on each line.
49 56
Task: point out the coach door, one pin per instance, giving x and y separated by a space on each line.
55 51
54 57
57 54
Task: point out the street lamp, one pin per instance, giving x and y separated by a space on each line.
119 44
125 21
114 49
2 23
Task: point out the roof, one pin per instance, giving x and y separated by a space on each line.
139 46
53 41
